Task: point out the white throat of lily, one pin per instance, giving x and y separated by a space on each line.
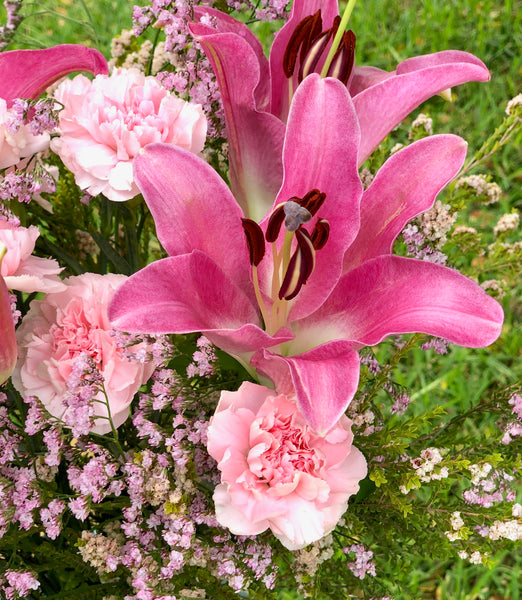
292 264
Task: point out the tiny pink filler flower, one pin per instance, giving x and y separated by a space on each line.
105 123
276 472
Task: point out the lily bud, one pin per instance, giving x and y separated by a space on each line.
8 350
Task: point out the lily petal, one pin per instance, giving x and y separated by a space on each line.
405 186
185 294
383 106
320 152
324 379
392 294
180 294
193 213
366 76
255 137
226 24
27 73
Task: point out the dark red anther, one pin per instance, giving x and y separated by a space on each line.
310 60
310 44
320 234
312 201
274 224
300 267
255 241
344 59
301 39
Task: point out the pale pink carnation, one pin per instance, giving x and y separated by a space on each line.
16 139
105 123
276 472
62 327
22 271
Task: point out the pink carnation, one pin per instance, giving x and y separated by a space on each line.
22 271
61 329
105 123
276 472
16 139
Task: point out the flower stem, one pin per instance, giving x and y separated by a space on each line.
339 34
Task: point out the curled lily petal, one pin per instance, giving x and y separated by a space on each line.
324 379
382 106
189 293
406 185
180 294
255 136
185 219
391 294
27 73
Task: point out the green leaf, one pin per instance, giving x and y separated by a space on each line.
121 265
378 477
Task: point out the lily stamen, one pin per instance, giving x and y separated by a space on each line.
306 50
256 248
292 264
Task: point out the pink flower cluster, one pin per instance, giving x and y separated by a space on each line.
18 584
276 472
105 123
59 331
514 427
17 140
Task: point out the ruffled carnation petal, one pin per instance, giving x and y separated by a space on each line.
61 332
106 122
276 472
22 271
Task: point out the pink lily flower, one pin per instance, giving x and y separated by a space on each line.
27 73
298 295
257 92
8 349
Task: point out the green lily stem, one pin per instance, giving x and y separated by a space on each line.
339 34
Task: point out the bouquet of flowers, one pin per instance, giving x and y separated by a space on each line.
220 273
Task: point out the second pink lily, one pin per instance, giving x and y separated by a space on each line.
257 92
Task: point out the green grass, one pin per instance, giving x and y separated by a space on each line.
50 22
